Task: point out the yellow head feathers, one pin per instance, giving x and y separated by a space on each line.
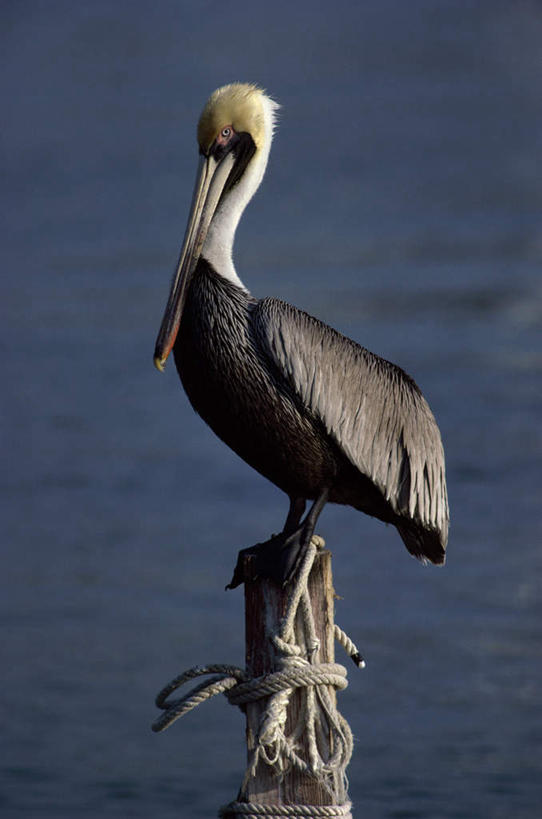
240 105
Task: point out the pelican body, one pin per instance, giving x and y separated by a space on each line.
314 412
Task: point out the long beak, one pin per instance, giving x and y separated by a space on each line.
211 179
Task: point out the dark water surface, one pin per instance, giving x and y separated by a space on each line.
403 204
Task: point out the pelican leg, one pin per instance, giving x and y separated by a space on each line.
286 563
295 513
279 557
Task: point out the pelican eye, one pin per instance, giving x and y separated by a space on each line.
224 142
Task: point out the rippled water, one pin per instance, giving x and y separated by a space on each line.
402 205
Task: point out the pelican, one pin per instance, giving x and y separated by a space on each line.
318 415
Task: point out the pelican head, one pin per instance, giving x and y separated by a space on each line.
235 131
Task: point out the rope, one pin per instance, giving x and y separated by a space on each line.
253 810
318 720
349 646
227 677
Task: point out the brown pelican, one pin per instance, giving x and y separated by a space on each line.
311 410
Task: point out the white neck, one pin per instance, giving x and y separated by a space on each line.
218 247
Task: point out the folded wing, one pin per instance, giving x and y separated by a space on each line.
372 410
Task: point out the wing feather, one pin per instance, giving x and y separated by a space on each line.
371 408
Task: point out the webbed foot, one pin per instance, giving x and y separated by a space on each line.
276 558
280 556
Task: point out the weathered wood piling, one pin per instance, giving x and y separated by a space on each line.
298 745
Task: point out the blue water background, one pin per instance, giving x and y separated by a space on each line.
402 204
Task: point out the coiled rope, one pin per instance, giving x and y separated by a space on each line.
251 810
297 668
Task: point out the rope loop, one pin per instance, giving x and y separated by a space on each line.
225 677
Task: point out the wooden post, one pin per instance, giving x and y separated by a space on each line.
298 744
265 607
